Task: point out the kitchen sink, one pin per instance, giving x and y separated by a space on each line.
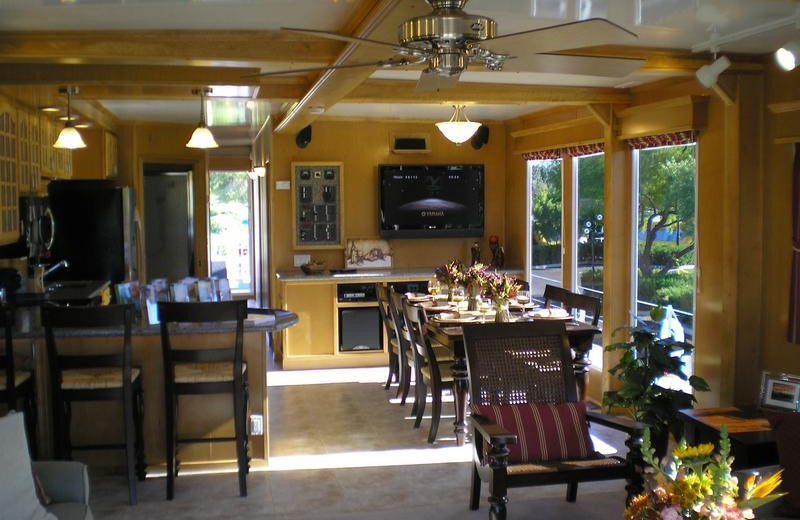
78 284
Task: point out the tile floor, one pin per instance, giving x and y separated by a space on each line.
340 449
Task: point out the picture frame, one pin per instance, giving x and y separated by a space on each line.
780 391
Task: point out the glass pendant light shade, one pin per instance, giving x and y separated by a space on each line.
202 136
459 129
69 138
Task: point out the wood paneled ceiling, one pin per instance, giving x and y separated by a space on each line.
124 52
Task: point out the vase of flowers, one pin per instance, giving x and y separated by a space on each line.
473 279
696 483
449 275
501 288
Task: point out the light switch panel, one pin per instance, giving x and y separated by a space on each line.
301 259
283 185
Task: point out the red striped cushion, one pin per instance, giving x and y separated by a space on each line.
544 431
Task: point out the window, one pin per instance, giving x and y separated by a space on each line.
230 235
588 249
545 195
665 188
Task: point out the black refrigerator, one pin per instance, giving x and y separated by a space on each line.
94 229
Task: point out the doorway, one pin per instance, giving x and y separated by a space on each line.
168 221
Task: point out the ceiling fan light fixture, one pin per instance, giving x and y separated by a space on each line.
787 55
69 138
708 75
459 129
202 137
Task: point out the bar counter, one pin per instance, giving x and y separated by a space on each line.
200 416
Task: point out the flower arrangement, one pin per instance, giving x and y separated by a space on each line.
473 279
449 274
697 483
501 288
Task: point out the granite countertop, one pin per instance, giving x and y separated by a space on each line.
366 275
255 323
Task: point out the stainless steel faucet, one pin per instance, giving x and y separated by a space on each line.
62 264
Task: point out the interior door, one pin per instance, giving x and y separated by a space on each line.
168 221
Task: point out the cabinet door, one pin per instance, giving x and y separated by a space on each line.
9 196
24 143
111 155
36 151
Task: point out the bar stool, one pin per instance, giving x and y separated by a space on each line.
15 384
204 371
96 377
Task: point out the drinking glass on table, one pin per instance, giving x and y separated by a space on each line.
484 306
458 295
523 297
434 287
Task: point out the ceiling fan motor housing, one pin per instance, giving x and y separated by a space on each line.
447 27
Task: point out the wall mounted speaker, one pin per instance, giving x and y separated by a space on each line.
481 137
303 137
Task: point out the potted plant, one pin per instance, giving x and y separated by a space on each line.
501 288
646 359
449 275
473 279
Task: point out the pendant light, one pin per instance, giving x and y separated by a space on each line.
459 129
69 138
202 136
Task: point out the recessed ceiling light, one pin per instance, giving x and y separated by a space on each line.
50 109
317 110
84 124
72 117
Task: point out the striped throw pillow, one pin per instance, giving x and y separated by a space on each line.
544 431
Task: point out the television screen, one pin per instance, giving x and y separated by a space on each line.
427 201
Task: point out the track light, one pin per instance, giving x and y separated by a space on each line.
708 75
202 136
787 55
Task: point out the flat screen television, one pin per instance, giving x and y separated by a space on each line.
431 200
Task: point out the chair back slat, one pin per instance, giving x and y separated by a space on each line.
383 308
201 312
399 322
570 300
518 363
421 345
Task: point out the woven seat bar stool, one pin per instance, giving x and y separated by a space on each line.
204 371
17 384
96 377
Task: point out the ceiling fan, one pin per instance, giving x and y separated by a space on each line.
448 39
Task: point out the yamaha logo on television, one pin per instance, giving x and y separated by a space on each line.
432 213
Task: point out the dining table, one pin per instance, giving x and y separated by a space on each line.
580 336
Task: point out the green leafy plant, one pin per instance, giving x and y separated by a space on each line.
645 359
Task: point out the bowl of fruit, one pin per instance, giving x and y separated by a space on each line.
313 267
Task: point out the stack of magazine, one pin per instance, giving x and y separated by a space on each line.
145 298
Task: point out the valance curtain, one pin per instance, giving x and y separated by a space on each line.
670 139
556 153
793 334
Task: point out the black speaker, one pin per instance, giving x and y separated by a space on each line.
481 137
303 137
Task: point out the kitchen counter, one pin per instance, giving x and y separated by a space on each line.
256 323
367 275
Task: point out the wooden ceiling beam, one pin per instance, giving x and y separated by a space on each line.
394 91
167 46
60 74
272 89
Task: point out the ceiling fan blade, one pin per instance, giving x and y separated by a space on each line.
341 37
430 80
385 64
573 35
582 65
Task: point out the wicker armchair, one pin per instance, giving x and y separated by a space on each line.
526 363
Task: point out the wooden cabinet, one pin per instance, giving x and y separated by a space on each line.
110 155
36 137
56 162
9 157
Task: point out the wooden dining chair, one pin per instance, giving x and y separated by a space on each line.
391 334
528 426
407 367
96 377
570 300
431 372
16 384
204 371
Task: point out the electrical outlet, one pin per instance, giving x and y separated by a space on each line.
301 260
256 424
